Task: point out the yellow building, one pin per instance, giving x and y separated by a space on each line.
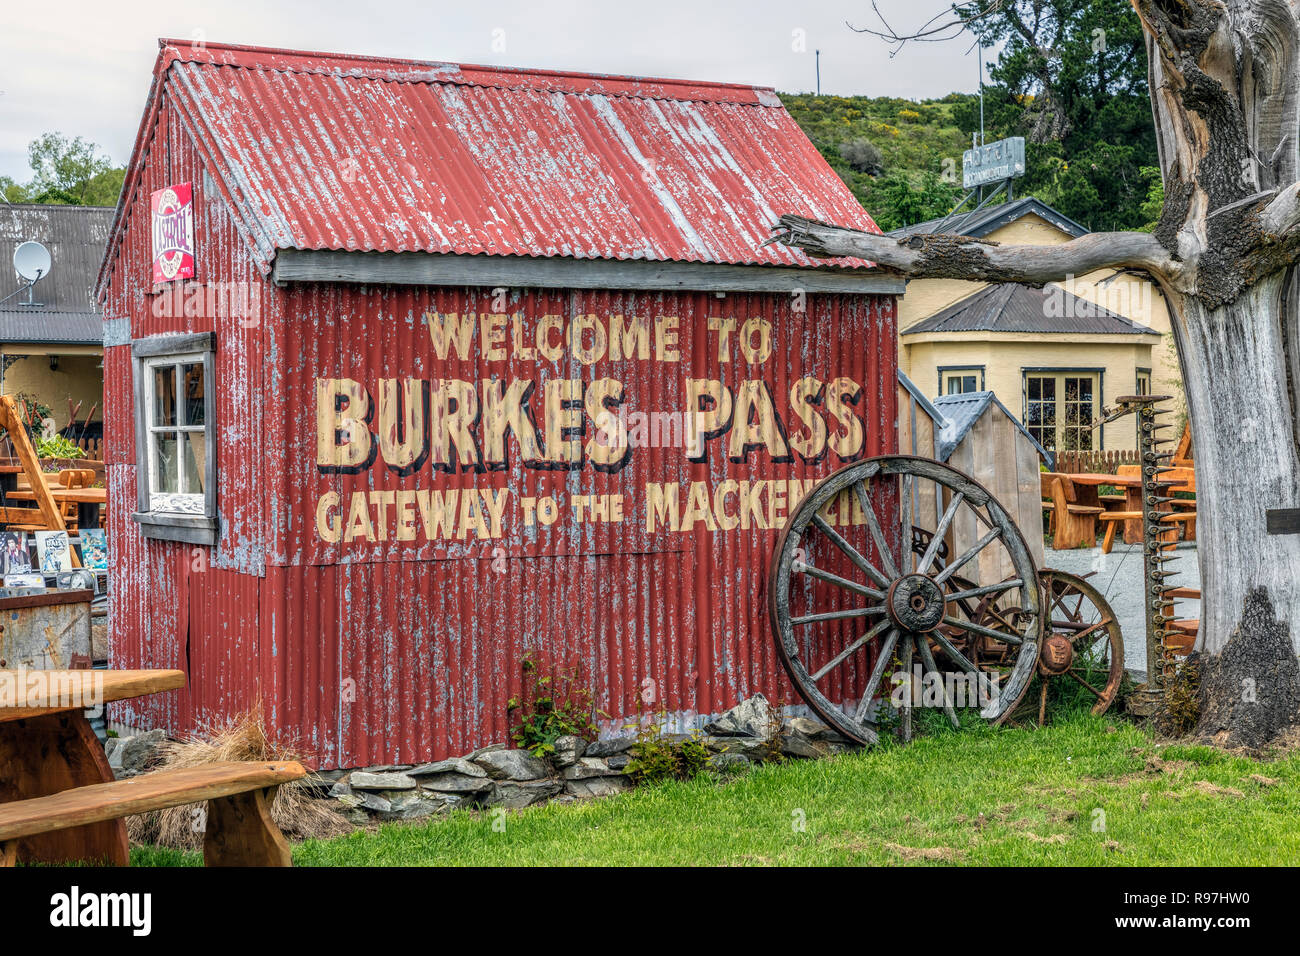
51 336
1055 355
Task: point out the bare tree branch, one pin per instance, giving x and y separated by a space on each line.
946 25
961 257
1282 215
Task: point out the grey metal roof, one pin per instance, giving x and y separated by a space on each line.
75 236
1010 307
964 410
42 325
990 218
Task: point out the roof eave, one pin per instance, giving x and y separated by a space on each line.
453 269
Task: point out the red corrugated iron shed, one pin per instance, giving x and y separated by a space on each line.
474 363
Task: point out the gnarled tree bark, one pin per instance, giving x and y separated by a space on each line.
1225 93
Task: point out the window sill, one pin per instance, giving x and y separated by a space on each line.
192 529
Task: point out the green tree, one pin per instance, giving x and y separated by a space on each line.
900 201
71 171
13 191
1071 78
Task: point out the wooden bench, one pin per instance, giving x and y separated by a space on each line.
59 802
1075 524
238 830
1112 519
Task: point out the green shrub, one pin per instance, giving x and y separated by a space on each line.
658 757
554 706
56 446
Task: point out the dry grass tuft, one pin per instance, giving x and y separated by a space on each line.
297 813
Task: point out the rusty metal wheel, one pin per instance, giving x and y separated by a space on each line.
865 579
1083 648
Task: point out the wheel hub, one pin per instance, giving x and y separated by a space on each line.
916 603
1057 655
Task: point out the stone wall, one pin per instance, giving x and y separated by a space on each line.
750 733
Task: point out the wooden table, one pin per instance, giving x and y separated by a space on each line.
88 501
1088 484
47 746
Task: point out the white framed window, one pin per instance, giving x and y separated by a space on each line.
1060 406
1143 381
960 380
176 437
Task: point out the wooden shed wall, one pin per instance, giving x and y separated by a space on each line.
997 454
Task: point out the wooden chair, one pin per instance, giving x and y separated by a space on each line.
1045 479
46 516
1075 524
73 478
1183 453
1181 634
238 832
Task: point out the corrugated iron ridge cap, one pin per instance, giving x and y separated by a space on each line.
397 69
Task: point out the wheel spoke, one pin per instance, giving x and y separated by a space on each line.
909 487
873 524
844 655
877 672
1100 695
927 659
850 552
975 549
960 659
987 589
937 541
981 629
908 642
837 615
802 568
999 617
1091 629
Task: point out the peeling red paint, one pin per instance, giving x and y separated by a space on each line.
392 650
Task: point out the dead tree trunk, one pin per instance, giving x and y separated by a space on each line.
1225 92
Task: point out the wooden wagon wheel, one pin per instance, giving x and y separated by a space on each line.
1082 645
861 583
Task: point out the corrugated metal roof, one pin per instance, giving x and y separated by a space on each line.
962 411
319 151
980 223
42 325
75 236
1010 307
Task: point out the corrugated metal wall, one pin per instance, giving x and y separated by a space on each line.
426 636
389 650
175 605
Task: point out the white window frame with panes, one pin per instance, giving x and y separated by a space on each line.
1062 424
961 372
175 404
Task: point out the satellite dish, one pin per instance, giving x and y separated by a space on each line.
32 261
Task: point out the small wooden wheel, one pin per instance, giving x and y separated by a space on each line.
1083 646
865 578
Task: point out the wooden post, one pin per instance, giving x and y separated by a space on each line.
240 832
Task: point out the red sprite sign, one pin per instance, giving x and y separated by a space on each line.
173 232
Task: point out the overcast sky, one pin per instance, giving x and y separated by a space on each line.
82 67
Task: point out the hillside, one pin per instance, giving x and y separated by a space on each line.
914 172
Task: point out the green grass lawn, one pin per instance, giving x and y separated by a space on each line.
980 796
